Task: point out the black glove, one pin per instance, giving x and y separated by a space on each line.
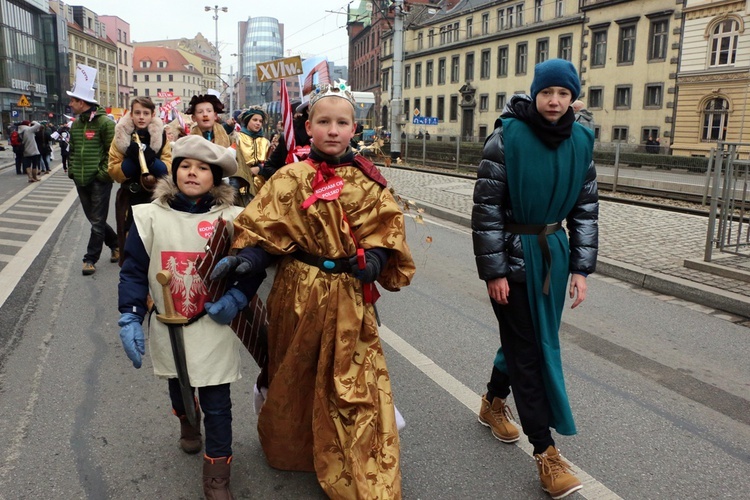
150 156
132 151
375 259
236 263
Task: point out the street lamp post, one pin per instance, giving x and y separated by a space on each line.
31 88
216 10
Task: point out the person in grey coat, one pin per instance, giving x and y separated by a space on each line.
31 155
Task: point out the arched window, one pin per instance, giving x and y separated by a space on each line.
715 118
723 42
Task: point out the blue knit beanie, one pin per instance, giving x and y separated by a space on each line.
556 73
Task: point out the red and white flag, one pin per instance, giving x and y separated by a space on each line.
286 118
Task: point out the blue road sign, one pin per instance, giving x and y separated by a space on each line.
425 120
14 114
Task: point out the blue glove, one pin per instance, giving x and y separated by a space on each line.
226 308
375 259
131 335
236 263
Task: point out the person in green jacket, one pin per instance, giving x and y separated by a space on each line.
90 138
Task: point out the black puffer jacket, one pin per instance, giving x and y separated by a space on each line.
499 253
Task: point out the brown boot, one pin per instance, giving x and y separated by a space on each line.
216 473
190 437
498 418
556 474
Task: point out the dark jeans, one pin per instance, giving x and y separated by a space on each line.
64 161
95 202
524 360
216 403
19 161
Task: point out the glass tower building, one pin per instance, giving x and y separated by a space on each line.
262 42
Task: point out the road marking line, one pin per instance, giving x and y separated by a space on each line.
16 268
593 489
22 221
13 230
12 243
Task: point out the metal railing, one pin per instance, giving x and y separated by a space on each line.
728 224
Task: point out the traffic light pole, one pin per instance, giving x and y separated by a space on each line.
398 62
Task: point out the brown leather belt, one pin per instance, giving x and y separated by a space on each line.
541 231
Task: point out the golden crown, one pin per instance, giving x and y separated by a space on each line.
337 89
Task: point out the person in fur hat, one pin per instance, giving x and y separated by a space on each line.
124 161
171 233
205 110
252 152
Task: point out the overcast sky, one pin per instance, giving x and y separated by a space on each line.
312 28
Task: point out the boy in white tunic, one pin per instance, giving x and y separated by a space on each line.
171 233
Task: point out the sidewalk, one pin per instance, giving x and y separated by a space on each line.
643 246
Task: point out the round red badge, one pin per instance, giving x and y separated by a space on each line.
205 229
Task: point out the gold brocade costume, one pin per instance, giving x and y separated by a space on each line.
329 406
251 152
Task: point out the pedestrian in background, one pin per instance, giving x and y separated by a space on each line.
64 141
31 156
17 144
536 171
168 234
205 110
90 138
583 115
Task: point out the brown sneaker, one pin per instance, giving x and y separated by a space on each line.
556 474
115 256
88 269
216 478
497 417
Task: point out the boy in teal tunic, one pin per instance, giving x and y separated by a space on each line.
536 172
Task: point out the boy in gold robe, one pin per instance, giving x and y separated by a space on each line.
329 406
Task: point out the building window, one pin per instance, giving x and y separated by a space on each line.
418 104
454 109
171 78
407 107
559 8
428 73
715 118
599 57
619 134
441 108
145 91
500 19
597 133
502 61
622 96
135 77
456 27
158 78
565 47
509 12
649 132
653 95
455 68
418 75
441 71
542 50
484 102
407 77
500 101
538 11
431 38
485 23
596 97
626 51
485 66
522 57
420 41
469 70
126 78
428 106
519 15
469 28
145 78
657 40
724 40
